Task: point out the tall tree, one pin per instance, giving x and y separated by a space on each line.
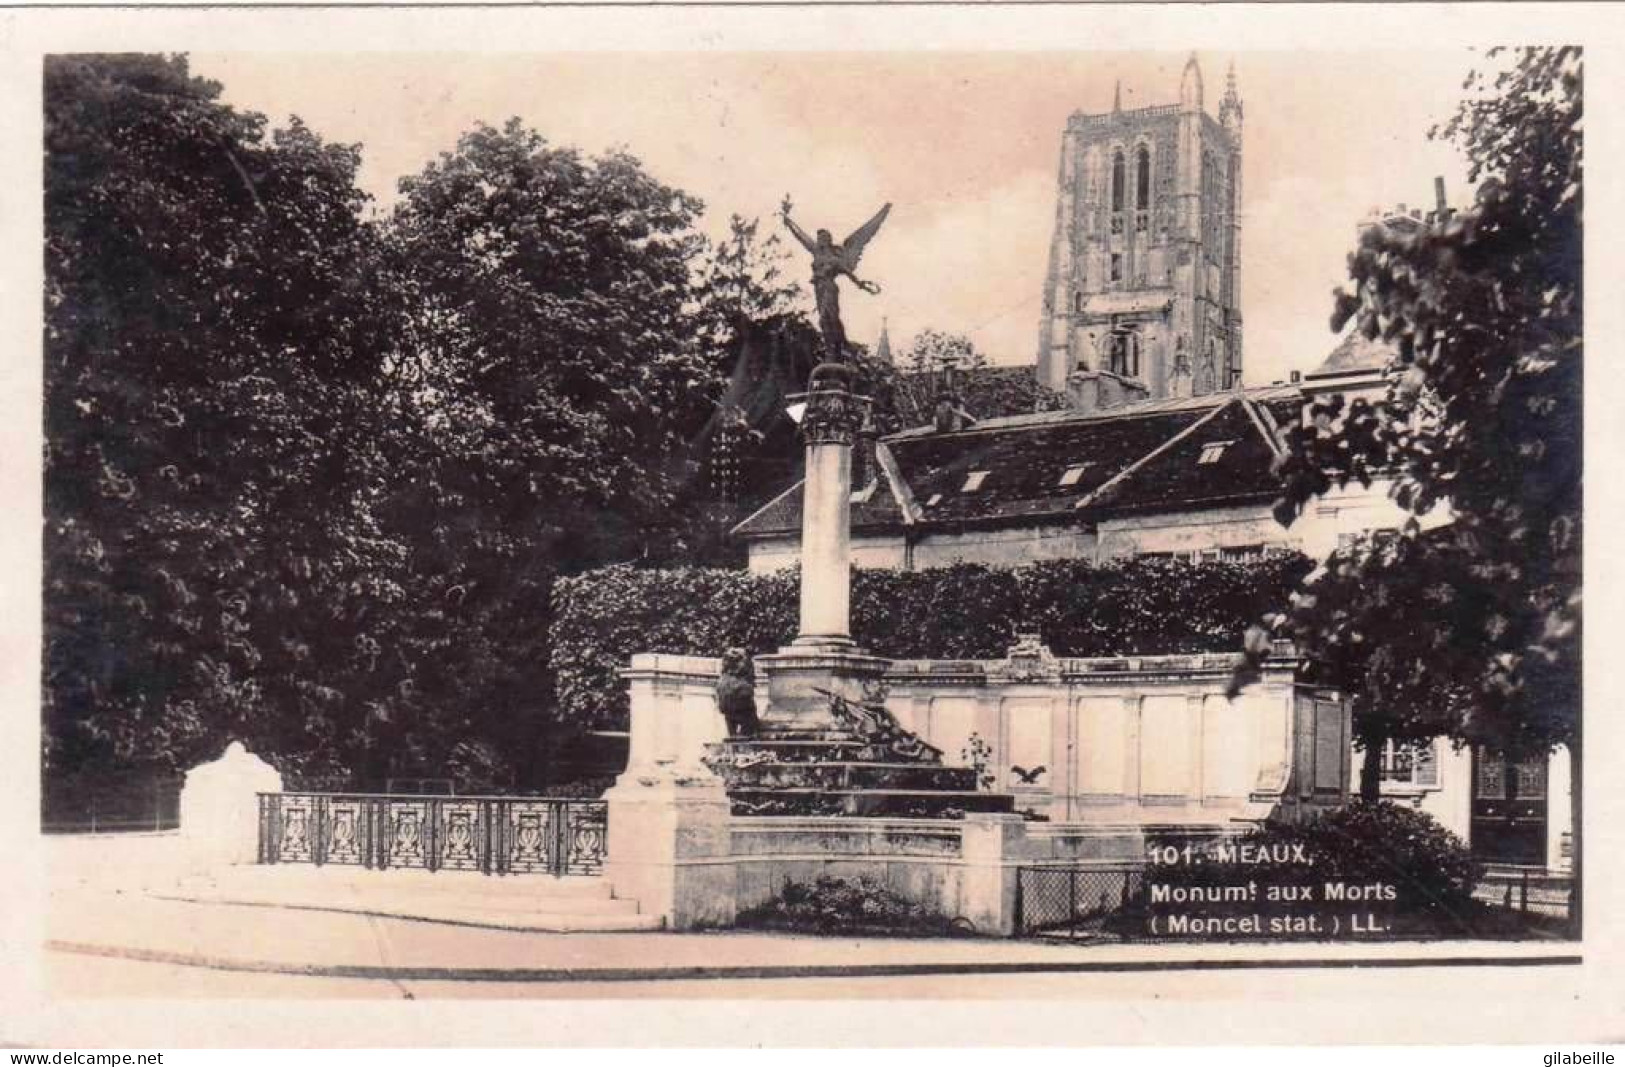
552 372
1471 630
209 551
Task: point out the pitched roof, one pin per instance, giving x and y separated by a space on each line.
1226 456
1068 465
1355 352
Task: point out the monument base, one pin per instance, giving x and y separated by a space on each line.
827 746
802 678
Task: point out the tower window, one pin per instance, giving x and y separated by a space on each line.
1077 303
1117 266
1142 178
1117 181
1124 356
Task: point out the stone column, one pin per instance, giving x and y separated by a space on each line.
822 660
832 417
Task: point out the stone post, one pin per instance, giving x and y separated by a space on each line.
220 813
674 713
992 848
669 840
670 850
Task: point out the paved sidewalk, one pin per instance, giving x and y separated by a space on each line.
125 900
298 941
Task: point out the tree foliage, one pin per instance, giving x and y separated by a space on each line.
210 417
309 477
939 364
1470 629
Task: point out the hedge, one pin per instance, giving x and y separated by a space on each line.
968 611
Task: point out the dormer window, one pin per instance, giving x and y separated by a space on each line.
1073 473
973 481
1212 451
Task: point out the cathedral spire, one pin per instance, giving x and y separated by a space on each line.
1117 96
1230 106
883 346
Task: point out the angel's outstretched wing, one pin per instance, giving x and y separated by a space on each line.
852 247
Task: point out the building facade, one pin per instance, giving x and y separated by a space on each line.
1141 296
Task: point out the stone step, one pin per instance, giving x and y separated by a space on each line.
814 751
478 904
850 776
416 881
900 803
833 735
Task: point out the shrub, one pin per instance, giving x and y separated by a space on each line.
833 905
967 611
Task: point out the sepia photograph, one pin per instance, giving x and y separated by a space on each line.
747 523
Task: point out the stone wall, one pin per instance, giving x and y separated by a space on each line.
1008 547
1190 532
1134 740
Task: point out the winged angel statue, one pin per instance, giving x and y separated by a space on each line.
830 261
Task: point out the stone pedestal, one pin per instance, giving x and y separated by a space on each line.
991 848
801 677
668 814
827 745
670 850
220 808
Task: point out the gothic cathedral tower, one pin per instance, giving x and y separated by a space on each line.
1141 294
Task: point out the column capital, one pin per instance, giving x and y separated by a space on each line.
833 415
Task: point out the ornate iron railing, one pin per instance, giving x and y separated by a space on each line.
492 835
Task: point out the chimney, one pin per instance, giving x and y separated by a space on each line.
946 416
1440 208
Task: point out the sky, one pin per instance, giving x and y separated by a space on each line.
964 145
